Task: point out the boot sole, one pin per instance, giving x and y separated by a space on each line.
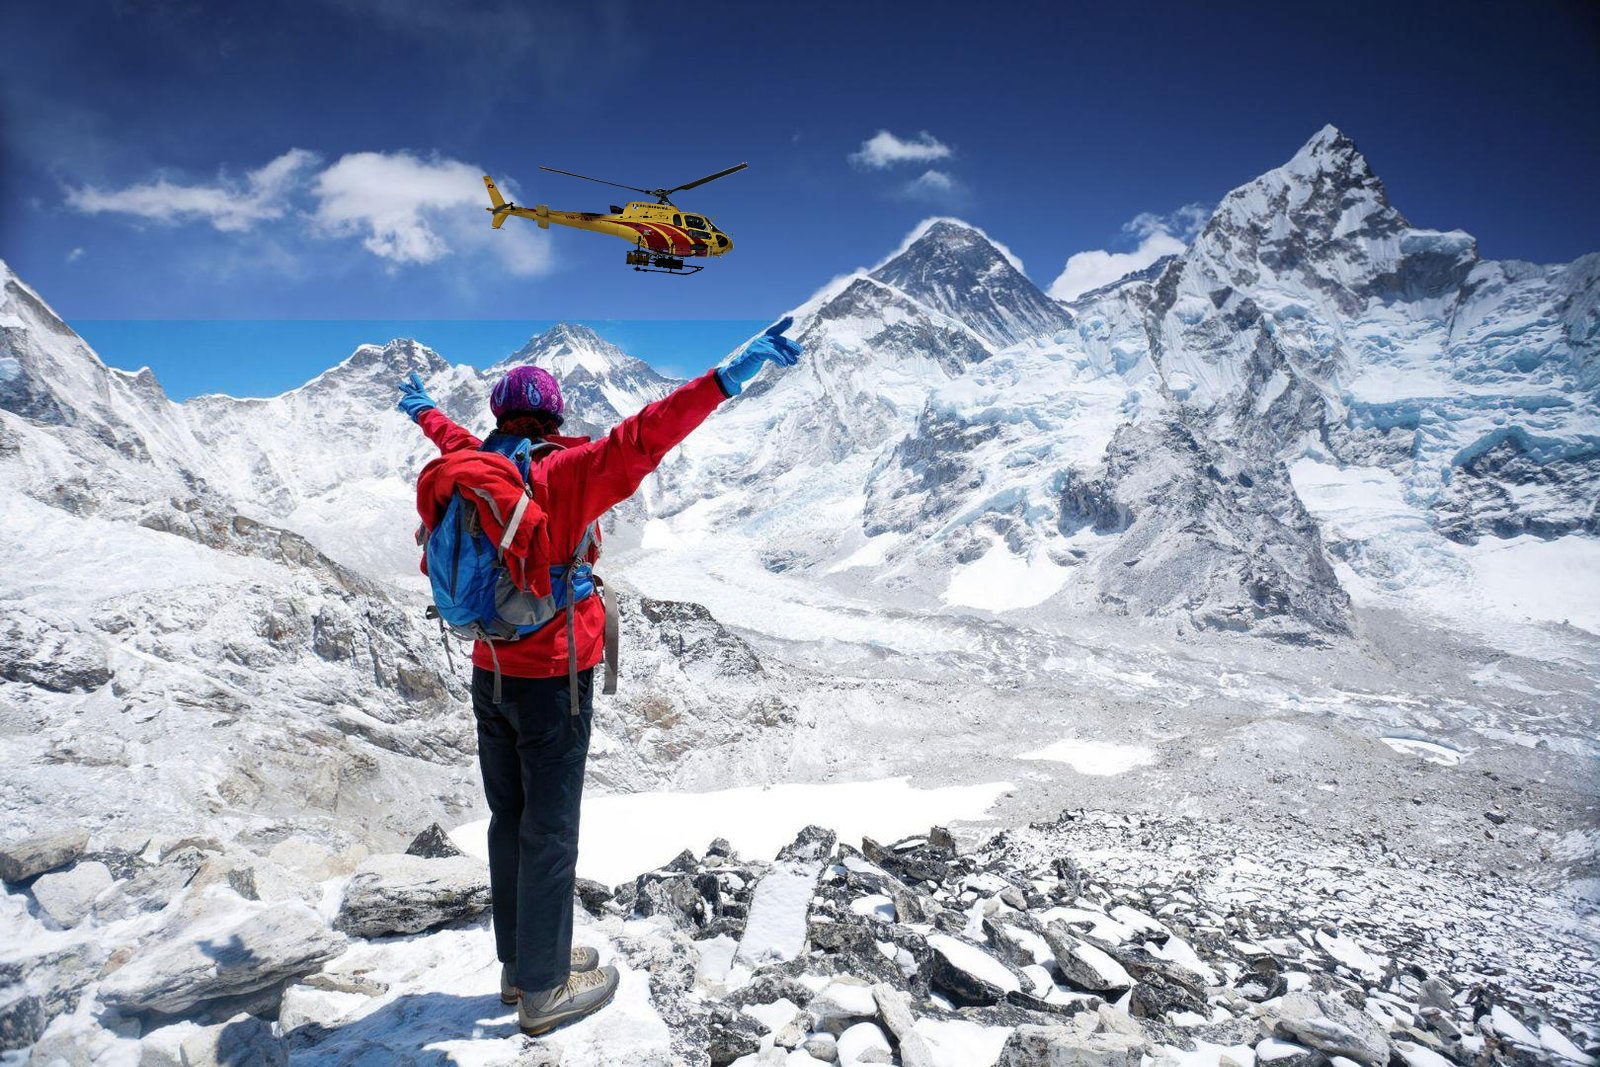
562 1020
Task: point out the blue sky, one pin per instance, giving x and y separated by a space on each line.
318 159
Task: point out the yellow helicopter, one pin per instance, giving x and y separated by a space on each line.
663 236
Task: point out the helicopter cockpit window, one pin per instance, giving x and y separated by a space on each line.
695 222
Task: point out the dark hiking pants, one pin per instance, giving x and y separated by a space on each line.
532 753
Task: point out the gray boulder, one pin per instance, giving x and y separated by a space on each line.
895 1011
21 860
1082 964
967 974
151 888
434 844
1275 1053
1069 1046
1327 1023
66 896
242 1041
222 955
393 894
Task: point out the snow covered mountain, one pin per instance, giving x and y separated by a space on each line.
162 649
213 608
1184 443
334 461
600 383
1187 442
954 268
973 537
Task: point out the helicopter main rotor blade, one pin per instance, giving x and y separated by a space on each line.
710 178
602 181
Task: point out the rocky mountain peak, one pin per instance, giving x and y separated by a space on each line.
389 362
569 347
955 268
1323 217
1327 187
600 381
1330 151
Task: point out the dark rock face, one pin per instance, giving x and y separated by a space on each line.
901 328
965 985
696 638
929 475
672 895
51 657
593 895
1482 495
955 269
1092 503
433 843
1232 556
915 859
811 843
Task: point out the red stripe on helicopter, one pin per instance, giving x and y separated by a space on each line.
654 239
660 237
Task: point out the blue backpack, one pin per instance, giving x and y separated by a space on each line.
474 597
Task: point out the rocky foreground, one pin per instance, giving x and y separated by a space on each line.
1091 939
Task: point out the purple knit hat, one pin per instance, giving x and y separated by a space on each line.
526 389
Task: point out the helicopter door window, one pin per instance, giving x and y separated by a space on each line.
695 222
677 220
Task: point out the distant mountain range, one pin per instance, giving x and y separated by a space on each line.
1316 401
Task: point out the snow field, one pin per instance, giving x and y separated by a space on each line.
1492 587
623 834
1093 757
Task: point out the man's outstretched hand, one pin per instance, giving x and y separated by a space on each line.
770 347
414 398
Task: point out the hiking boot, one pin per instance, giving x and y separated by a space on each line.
584 958
584 992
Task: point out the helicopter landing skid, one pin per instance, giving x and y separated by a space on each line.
657 263
670 270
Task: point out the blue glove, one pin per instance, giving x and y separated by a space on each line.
414 398
770 347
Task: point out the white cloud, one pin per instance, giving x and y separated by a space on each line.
1158 235
229 205
933 186
884 149
404 209
412 210
75 255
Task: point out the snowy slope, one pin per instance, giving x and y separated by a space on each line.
160 650
334 460
1315 416
1138 459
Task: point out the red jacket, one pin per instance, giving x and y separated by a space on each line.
577 485
494 486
